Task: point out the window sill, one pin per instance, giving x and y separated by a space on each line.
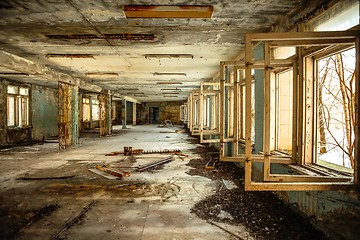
19 128
317 170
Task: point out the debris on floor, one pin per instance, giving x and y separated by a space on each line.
154 164
130 151
254 210
210 165
166 123
112 171
74 220
45 178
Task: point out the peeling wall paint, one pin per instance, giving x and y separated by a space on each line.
2 114
44 112
168 111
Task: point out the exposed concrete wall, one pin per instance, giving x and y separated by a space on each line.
2 114
44 112
168 111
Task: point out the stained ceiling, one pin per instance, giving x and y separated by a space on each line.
147 59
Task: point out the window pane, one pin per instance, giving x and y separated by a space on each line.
11 111
24 91
24 111
284 111
336 116
12 90
86 112
95 112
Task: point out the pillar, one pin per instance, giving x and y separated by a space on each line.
109 111
75 115
123 114
134 114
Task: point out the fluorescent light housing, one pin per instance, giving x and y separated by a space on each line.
14 74
56 55
169 83
168 11
94 74
171 89
171 96
170 93
149 56
169 74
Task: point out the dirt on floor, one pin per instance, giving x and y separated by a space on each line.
262 213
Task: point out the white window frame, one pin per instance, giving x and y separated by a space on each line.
21 111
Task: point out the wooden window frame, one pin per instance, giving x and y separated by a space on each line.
18 107
206 90
303 133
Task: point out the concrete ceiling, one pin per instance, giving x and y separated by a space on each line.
42 31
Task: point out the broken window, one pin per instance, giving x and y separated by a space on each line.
86 109
282 112
316 100
95 110
336 109
17 106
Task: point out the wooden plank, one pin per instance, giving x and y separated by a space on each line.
211 140
295 136
259 64
241 158
300 36
305 178
201 112
211 132
356 108
248 120
310 42
236 112
267 113
189 103
298 186
222 108
309 111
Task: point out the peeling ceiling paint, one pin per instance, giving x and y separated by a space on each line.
119 44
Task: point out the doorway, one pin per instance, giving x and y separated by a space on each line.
154 115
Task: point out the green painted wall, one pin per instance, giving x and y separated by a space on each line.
259 100
44 112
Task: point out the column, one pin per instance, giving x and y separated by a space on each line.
134 114
123 114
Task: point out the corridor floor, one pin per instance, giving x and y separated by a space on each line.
51 194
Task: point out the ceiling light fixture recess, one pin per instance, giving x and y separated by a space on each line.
56 55
169 74
171 89
93 74
149 56
168 11
169 83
